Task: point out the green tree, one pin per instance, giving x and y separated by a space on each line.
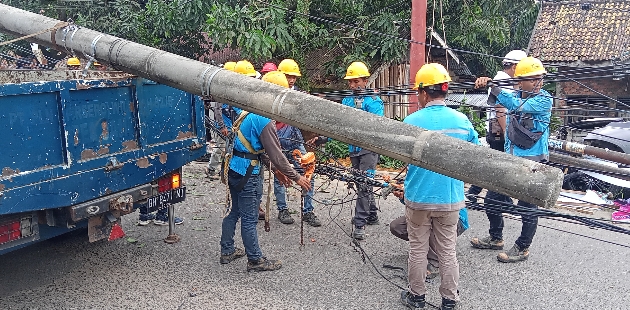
484 26
276 29
279 29
174 26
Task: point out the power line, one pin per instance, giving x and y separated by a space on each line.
386 34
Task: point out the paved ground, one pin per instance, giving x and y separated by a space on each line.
565 271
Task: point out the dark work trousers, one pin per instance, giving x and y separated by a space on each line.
530 222
366 206
494 199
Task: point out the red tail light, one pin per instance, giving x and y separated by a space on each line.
169 181
10 232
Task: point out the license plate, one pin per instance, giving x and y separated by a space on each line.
165 199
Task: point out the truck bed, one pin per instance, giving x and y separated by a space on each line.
68 139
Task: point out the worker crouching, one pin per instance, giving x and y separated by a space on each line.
433 200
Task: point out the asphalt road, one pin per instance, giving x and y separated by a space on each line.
564 271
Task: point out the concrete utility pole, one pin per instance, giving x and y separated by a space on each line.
417 51
519 178
587 165
583 149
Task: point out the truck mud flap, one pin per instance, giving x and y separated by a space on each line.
105 226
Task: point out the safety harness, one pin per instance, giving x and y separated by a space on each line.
252 154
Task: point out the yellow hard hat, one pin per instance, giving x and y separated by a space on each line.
245 67
529 66
229 65
290 67
97 64
74 61
357 70
431 74
276 77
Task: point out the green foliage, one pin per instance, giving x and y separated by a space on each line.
336 149
173 26
551 87
473 116
262 32
486 26
388 162
556 122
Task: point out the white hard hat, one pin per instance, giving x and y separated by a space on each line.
513 57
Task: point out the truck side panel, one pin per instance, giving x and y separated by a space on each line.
67 142
31 133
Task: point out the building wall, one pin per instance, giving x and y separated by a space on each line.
607 86
571 110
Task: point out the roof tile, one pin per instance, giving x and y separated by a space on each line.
566 32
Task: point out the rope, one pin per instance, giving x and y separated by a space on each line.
56 27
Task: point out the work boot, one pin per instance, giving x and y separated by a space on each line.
211 174
412 301
372 220
487 243
261 214
448 304
311 219
264 264
515 254
359 233
285 217
238 253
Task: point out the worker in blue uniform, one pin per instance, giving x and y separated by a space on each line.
433 201
255 141
365 211
527 136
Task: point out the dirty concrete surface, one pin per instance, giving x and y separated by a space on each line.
564 271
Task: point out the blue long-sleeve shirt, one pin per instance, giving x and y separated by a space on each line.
539 106
370 104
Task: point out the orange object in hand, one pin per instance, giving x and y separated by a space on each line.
306 161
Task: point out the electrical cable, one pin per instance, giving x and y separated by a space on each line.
472 207
385 34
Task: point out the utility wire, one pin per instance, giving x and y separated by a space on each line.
383 34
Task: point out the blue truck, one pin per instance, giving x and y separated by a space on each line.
80 150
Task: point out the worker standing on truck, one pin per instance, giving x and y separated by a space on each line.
291 139
527 136
365 210
255 140
433 200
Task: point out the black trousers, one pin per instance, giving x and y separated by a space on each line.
495 200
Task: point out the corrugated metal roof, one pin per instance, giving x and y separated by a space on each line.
477 100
